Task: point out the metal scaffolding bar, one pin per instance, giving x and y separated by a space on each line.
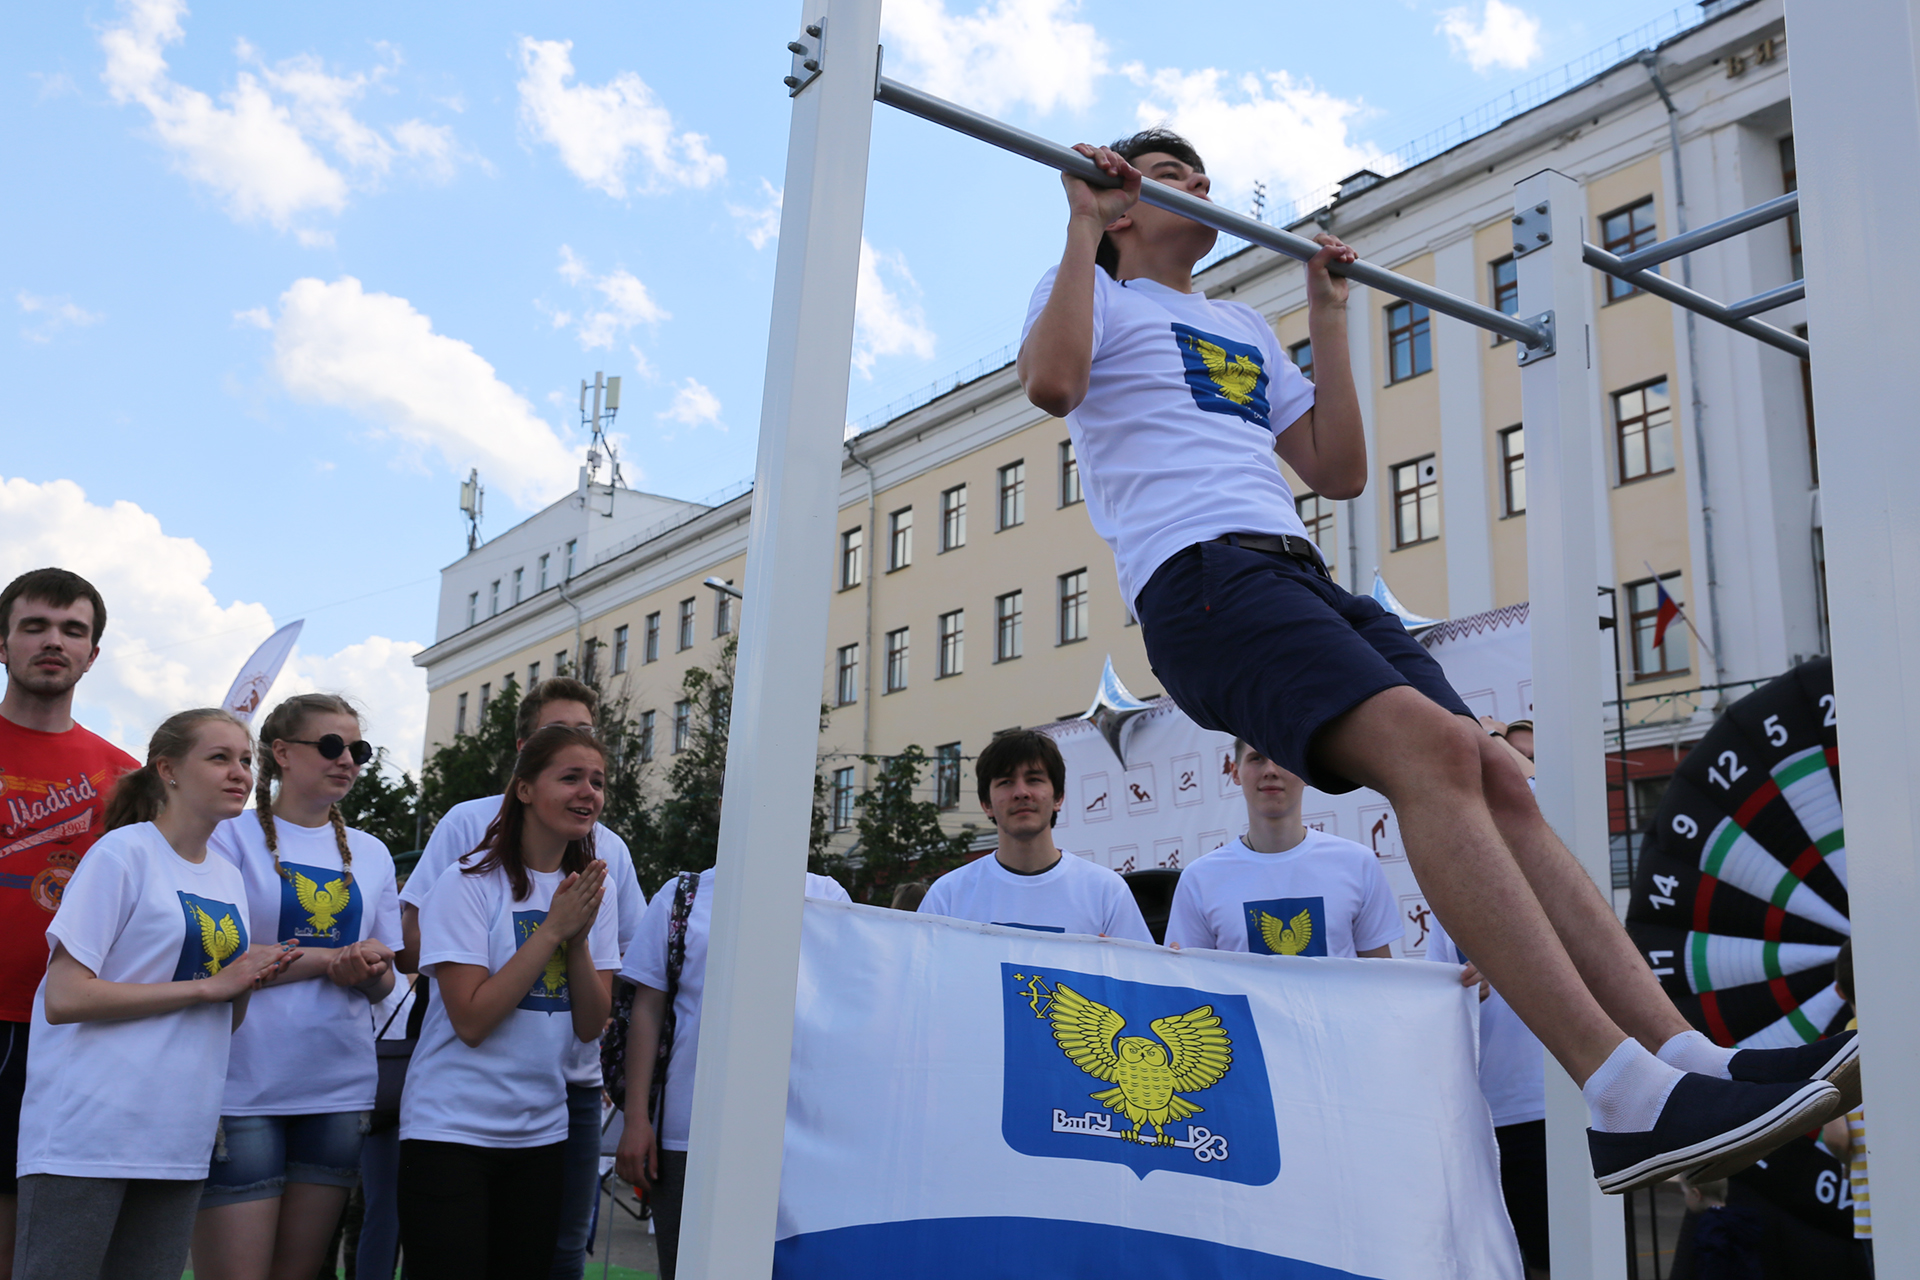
1769 300
1681 296
1021 143
1714 232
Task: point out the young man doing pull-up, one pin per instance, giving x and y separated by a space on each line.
1177 404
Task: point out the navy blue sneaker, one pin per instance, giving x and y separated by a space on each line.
1835 1060
1709 1127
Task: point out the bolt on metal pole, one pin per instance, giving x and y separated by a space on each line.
753 952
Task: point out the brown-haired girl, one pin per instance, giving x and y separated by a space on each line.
302 1078
522 957
149 978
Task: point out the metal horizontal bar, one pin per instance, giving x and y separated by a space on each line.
1769 300
1681 296
1021 143
1714 232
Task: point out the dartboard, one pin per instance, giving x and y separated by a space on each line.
1740 897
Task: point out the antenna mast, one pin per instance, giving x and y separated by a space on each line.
599 402
473 499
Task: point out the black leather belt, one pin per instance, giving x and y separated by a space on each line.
1290 545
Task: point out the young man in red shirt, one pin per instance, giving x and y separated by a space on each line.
54 780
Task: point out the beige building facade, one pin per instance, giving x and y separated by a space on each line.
970 594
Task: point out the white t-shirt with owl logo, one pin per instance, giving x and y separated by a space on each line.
135 1097
1323 897
306 1047
511 1089
1174 440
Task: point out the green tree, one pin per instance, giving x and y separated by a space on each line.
384 805
474 764
900 838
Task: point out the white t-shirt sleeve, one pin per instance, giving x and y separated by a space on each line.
96 906
455 921
386 908
603 938
631 898
1289 394
935 903
827 888
1123 914
1378 922
1187 924
1044 290
645 962
442 851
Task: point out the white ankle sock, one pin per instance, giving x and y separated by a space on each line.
1626 1094
1692 1051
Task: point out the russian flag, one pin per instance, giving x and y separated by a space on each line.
1667 612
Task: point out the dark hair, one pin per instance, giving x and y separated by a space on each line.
501 845
1843 971
908 897
283 724
552 689
1166 141
1008 753
139 796
59 588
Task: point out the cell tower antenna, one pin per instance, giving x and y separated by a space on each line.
1260 200
473 501
599 403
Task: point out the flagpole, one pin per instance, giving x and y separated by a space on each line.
1681 610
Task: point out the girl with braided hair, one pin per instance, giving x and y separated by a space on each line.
301 1082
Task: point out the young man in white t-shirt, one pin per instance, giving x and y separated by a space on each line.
1028 882
1282 890
1177 404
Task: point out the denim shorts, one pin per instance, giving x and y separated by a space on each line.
1264 647
255 1157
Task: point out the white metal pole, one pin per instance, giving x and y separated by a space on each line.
1569 667
753 953
1856 118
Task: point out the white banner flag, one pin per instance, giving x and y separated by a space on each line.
972 1100
259 672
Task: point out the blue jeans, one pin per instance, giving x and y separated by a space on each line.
255 1157
580 1186
380 1184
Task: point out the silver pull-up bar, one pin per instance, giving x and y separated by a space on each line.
1021 143
1713 233
1734 317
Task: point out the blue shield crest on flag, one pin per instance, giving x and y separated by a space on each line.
318 907
1151 1077
549 994
1224 376
1287 926
216 932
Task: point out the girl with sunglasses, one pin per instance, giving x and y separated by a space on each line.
301 1082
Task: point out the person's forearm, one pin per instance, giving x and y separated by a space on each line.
478 1011
240 1003
407 959
76 998
377 988
643 1044
1056 360
587 992
1339 437
307 964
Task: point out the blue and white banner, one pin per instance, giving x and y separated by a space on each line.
977 1101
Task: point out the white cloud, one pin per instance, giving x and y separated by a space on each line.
51 315
170 644
260 148
601 130
760 224
1250 126
623 302
1506 36
254 318
1006 53
373 354
694 405
886 323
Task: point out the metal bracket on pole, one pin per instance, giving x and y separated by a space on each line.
809 56
1543 349
1533 229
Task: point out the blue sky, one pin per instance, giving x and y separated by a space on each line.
277 276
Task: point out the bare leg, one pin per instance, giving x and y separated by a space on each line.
308 1214
235 1241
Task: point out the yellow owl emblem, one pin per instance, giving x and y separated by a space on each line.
323 904
1192 1053
219 939
1237 377
554 977
1286 939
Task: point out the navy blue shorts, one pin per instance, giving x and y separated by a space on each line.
1264 647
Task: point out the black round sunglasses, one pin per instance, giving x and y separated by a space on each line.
331 745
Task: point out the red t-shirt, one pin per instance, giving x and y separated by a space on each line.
53 796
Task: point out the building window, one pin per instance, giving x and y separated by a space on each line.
850 544
573 546
1301 353
1790 181
946 775
1416 502
1643 426
1643 606
900 539
682 725
533 674
486 696
1316 513
619 650
1069 475
460 714
1513 471
590 660
560 663
543 571
1073 606
684 639
723 612
473 607
493 597
646 737
1409 342
842 798
1013 494
953 518
1006 626
1506 290
952 634
846 675
897 660
1623 232
650 639
519 584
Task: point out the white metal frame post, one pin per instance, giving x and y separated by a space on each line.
1856 117
753 953
1559 409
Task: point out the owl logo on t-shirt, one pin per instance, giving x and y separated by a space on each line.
1225 376
215 934
1287 926
318 907
549 993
